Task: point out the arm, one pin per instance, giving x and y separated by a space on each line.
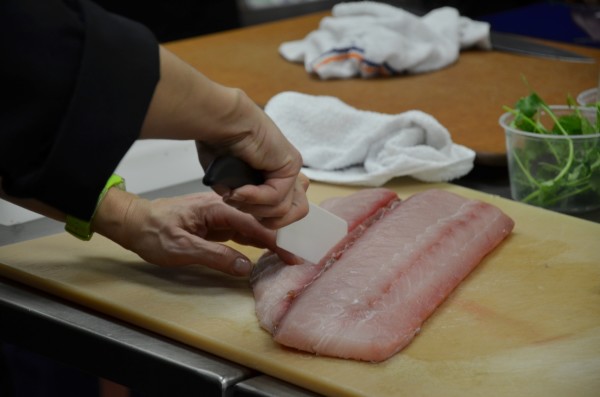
111 83
81 141
76 85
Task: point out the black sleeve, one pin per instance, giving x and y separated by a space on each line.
76 82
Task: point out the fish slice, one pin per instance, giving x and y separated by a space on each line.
310 238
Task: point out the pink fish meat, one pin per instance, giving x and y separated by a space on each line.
275 284
367 299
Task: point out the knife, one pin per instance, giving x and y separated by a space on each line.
522 45
310 238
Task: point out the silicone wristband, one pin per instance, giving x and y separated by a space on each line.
83 229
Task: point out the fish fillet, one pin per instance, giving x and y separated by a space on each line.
374 293
275 284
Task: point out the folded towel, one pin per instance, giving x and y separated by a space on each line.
341 144
375 39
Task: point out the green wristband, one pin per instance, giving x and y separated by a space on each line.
83 229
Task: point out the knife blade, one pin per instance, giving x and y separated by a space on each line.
523 45
310 238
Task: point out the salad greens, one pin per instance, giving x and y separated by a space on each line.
559 169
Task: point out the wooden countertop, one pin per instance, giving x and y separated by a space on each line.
467 97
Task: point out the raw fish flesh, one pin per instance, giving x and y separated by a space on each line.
368 297
275 284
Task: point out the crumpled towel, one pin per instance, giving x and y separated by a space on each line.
344 145
375 39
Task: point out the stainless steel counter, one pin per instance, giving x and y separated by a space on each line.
74 335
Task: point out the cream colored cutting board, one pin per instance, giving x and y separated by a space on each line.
526 322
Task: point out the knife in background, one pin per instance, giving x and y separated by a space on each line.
309 238
522 45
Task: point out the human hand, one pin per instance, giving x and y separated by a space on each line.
223 120
254 138
184 230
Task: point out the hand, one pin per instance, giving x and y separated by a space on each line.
254 138
183 230
222 120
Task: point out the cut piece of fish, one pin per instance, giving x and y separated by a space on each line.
372 297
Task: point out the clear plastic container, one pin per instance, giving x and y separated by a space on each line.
588 97
557 172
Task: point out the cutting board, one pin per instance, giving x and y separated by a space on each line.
526 322
466 97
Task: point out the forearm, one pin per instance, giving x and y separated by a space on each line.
188 105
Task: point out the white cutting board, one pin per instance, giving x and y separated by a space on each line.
526 322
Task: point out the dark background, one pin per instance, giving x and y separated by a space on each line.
176 19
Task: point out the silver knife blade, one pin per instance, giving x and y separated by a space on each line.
522 45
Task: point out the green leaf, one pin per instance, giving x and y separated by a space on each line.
527 107
571 123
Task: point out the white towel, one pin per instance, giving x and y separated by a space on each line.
375 39
341 144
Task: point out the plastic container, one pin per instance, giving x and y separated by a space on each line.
588 97
557 172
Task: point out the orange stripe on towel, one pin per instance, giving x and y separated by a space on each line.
340 57
365 67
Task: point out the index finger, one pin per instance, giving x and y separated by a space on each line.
264 203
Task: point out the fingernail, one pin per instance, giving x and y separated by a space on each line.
296 260
242 266
235 196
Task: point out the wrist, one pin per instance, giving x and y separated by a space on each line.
82 228
112 216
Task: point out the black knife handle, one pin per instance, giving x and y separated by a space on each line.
231 172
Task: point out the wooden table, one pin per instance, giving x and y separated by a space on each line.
467 97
